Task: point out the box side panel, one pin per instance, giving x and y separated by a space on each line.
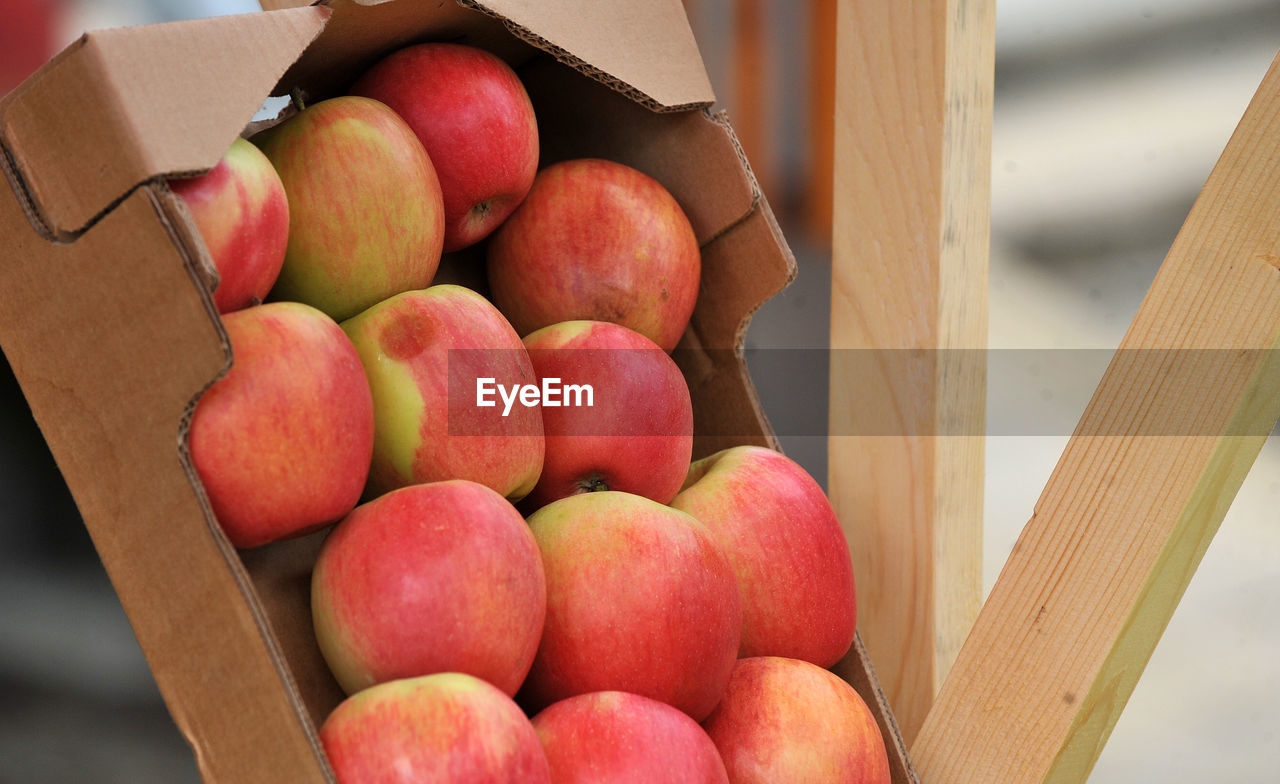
111 338
856 668
281 574
357 36
644 50
741 269
692 155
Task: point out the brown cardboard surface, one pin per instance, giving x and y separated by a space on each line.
726 410
856 668
162 99
644 50
228 635
699 161
358 35
112 339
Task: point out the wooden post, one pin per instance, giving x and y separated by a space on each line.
1141 488
910 241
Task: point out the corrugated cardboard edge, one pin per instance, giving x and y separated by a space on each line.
151 255
681 56
755 225
856 669
622 35
149 101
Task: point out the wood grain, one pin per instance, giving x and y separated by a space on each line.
1143 484
909 296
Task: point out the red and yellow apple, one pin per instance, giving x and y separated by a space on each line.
624 738
448 728
240 208
788 720
640 598
637 434
366 218
474 118
441 577
786 547
424 352
601 241
282 442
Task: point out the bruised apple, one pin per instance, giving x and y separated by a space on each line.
243 216
366 215
786 547
474 118
640 598
448 728
601 241
282 443
424 352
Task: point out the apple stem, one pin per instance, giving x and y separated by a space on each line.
299 101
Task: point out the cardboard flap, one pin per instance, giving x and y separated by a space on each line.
123 106
644 49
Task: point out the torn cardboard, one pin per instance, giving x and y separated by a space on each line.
106 316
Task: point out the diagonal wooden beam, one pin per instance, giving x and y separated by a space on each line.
1140 490
914 83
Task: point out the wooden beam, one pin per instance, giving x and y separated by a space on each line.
1143 484
914 83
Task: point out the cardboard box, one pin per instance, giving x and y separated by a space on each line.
107 319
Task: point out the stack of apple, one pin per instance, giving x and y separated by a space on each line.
660 621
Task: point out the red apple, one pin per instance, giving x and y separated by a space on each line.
243 217
366 218
473 116
788 720
424 352
625 739
438 729
786 547
637 436
640 599
282 442
597 240
442 577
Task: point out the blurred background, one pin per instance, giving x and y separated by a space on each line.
1109 115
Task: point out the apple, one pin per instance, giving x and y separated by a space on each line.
787 550
601 241
624 738
637 436
240 208
448 728
474 118
787 720
366 217
640 598
440 577
282 443
424 352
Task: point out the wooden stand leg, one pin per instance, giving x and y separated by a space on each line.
910 244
